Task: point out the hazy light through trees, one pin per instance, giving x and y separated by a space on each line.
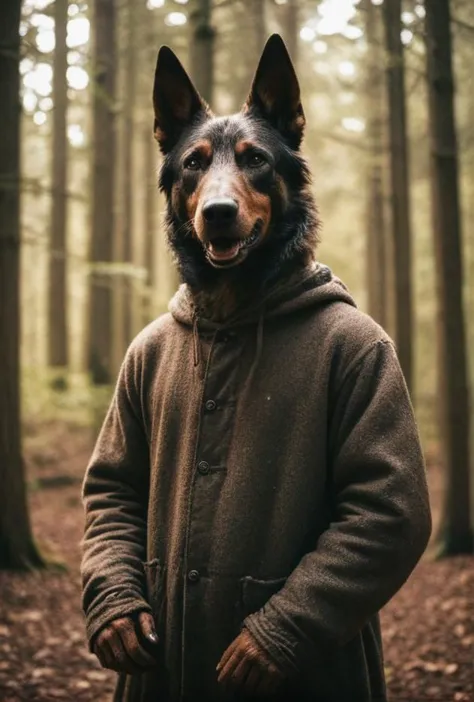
331 17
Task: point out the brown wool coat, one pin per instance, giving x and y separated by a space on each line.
270 473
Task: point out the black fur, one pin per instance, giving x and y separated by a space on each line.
293 233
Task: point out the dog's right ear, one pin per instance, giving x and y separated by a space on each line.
176 101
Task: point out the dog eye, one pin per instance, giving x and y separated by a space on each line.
192 163
256 160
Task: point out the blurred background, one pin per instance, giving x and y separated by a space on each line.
388 93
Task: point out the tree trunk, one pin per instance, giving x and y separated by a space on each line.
376 259
401 231
17 549
128 137
202 49
292 29
57 298
151 195
457 529
258 14
124 297
103 180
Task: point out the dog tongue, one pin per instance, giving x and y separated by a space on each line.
224 254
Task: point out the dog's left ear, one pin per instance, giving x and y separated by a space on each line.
275 92
176 102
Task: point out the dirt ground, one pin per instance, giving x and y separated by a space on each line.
428 627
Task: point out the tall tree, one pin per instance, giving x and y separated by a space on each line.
103 187
149 202
57 293
128 144
376 259
258 11
399 175
292 29
202 48
124 296
17 549
453 394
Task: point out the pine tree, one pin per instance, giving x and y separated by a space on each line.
57 298
17 548
457 528
103 188
399 175
376 259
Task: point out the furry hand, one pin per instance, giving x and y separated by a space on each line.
120 645
246 666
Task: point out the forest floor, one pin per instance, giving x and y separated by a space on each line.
428 627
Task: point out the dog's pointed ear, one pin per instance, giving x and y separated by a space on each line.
275 92
176 102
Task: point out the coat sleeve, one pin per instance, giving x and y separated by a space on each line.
115 495
380 523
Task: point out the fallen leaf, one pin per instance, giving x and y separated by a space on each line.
42 672
431 667
451 668
82 685
97 675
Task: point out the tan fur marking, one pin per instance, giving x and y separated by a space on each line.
159 135
242 146
298 123
203 148
254 206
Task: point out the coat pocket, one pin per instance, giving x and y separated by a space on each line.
256 593
155 574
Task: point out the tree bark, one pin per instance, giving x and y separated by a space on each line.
128 137
292 29
202 49
57 292
376 259
17 548
399 174
151 195
457 529
259 15
124 288
103 185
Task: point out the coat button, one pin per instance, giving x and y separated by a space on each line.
193 576
210 405
204 467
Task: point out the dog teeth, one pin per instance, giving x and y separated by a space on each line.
251 239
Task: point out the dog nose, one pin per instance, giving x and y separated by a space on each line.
220 211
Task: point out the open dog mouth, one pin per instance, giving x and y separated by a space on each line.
223 251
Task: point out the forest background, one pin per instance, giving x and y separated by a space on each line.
388 94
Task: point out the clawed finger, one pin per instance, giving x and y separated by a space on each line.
105 655
132 646
226 655
122 659
229 667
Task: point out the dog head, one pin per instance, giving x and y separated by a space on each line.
233 184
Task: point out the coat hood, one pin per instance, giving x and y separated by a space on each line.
311 286
315 285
